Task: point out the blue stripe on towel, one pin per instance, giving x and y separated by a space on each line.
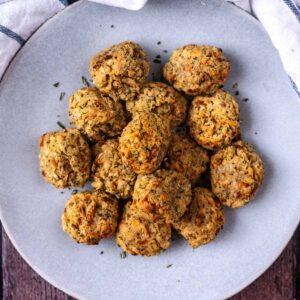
64 2
294 86
293 8
12 34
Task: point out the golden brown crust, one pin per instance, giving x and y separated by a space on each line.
110 174
161 99
213 121
65 158
236 173
203 220
138 235
144 142
197 70
163 194
186 157
90 216
96 114
120 70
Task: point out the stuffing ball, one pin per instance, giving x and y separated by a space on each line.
163 194
138 235
161 99
186 157
90 216
236 173
110 174
213 121
144 142
96 114
65 158
203 219
197 70
120 70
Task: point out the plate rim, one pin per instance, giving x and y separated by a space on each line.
229 291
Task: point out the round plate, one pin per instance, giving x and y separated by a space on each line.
253 236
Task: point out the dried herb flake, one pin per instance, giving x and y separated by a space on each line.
74 192
157 61
62 95
159 42
123 254
101 252
235 85
245 99
56 84
169 266
85 81
165 51
61 125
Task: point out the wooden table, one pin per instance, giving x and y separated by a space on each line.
280 282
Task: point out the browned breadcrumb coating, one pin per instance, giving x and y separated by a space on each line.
120 70
213 121
96 148
144 142
90 216
139 235
96 114
197 70
163 194
186 157
65 158
161 99
236 173
110 174
203 219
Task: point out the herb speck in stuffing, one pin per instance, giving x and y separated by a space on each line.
123 254
165 51
255 133
58 116
157 61
159 42
169 266
74 192
245 99
61 192
85 81
61 125
101 252
235 85
158 56
112 26
237 93
56 84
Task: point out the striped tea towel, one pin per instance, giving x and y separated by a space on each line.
281 19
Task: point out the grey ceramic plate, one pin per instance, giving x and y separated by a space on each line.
30 209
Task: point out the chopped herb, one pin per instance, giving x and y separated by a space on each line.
157 61
101 252
221 86
158 56
237 93
85 81
61 96
61 125
235 85
123 254
159 42
112 26
165 51
255 133
56 84
74 192
169 266
58 116
245 99
61 192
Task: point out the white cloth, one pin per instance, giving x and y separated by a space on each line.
281 19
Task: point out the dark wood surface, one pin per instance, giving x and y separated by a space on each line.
279 282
